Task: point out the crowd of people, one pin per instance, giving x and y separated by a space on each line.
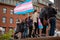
43 22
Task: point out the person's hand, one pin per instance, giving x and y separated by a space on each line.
33 26
48 26
48 20
45 22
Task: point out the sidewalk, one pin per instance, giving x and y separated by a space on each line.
42 38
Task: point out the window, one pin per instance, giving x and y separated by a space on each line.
4 19
11 20
14 2
11 11
40 9
34 1
40 1
2 0
4 10
43 1
4 29
10 28
8 2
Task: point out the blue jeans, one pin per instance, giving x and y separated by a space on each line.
52 26
25 33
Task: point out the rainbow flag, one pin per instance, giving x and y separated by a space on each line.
24 7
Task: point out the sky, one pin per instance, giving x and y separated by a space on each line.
52 1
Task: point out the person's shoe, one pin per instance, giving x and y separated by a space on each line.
38 36
15 37
33 35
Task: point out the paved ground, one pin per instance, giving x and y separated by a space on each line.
41 38
56 37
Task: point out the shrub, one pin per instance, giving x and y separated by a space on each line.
7 35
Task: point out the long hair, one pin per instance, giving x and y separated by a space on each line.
35 11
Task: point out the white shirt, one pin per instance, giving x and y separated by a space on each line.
34 17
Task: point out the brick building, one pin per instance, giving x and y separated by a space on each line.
8 18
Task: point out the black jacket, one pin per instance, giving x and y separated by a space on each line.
51 12
47 12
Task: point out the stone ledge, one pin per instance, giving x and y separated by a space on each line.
43 38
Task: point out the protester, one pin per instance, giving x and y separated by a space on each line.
38 23
17 30
52 19
25 33
44 19
40 27
48 15
23 27
30 25
35 18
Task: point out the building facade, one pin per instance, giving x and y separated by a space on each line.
57 2
39 4
8 18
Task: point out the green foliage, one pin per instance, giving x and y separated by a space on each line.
7 35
